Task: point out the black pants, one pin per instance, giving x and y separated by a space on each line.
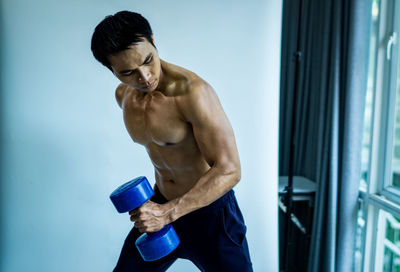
213 238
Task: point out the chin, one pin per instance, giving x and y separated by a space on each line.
147 90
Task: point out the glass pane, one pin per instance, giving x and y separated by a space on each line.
359 246
395 181
366 142
391 243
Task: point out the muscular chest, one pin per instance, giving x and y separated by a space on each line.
154 118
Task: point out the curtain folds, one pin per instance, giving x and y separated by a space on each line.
334 41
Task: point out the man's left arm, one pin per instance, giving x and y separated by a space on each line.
216 141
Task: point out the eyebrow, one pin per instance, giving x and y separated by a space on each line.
144 62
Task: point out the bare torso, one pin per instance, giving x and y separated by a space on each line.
154 120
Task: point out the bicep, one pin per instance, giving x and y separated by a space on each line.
212 129
217 145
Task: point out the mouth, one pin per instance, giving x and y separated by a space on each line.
149 86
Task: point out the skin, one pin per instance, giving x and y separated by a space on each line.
178 118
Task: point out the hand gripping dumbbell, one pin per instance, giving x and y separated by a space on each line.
132 195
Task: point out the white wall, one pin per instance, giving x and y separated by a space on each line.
64 145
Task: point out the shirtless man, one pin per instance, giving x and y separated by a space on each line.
178 118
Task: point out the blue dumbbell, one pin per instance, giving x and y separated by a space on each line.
131 195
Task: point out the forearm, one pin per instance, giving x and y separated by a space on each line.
211 186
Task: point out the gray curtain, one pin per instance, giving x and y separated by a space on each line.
334 40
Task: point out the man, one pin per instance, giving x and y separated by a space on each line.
178 118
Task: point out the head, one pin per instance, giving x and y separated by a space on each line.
124 43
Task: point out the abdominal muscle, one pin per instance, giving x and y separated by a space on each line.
173 185
177 167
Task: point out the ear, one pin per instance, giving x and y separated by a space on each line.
152 39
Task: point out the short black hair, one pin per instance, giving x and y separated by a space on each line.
117 32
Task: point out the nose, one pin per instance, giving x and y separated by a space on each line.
144 75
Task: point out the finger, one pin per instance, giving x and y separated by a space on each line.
134 218
142 223
138 225
147 206
133 212
153 229
139 211
142 230
147 225
149 229
140 217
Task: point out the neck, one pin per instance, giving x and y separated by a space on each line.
163 81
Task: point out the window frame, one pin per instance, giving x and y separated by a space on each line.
390 82
380 195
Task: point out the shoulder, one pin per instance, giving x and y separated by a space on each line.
194 90
198 100
186 84
120 93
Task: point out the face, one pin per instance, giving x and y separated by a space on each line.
138 66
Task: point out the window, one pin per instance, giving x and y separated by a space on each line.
378 227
